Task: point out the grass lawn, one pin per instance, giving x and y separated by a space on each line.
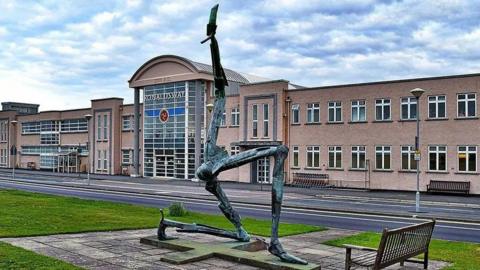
462 255
30 214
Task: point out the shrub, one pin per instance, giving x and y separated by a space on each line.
177 209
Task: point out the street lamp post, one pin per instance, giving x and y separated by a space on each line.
88 117
417 92
13 151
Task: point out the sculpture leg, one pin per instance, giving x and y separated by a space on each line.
224 204
277 197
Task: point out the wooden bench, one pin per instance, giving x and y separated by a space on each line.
449 186
396 246
310 180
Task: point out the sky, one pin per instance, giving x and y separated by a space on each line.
60 54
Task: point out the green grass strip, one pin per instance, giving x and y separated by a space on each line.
462 255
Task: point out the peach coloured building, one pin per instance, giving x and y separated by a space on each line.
356 135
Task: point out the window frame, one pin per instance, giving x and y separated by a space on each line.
358 106
311 109
410 157
437 153
467 99
266 116
358 153
235 116
255 121
383 153
334 149
383 104
467 152
333 106
295 112
410 101
437 103
315 149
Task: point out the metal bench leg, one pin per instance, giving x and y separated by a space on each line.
425 260
348 258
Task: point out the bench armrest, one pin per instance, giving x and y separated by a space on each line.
358 247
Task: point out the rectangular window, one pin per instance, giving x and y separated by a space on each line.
295 114
359 111
126 123
334 157
74 125
437 107
3 157
255 121
313 113
335 111
383 157
408 158
382 109
3 131
50 138
358 157
437 158
265 120
105 160
223 119
467 158
408 107
234 150
235 117
126 157
466 105
295 156
99 127
99 160
313 156
31 128
105 125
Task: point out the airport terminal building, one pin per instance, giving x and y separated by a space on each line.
357 135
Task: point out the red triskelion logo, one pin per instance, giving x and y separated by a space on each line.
164 115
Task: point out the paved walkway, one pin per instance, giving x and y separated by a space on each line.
122 250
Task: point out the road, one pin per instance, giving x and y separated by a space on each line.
449 230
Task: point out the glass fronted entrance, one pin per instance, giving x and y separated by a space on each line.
165 166
263 171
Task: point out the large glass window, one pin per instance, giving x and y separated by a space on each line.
99 160
408 158
3 157
74 125
99 127
30 127
255 120
359 111
265 120
126 156
295 114
358 157
3 131
383 156
467 105
408 108
50 138
334 157
467 158
105 127
437 107
313 113
105 160
127 123
437 158
382 109
313 156
295 156
335 111
235 117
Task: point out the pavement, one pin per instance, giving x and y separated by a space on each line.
393 203
123 250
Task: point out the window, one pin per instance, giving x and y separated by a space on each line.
50 138
295 156
255 121
31 128
334 157
437 158
105 160
437 107
235 117
382 109
334 111
313 113
234 150
467 158
126 156
359 111
382 157
408 158
99 127
263 170
467 105
3 157
99 160
223 119
295 114
358 157
49 126
265 120
408 107
105 125
74 125
127 123
313 156
3 131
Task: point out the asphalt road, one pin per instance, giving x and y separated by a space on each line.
458 231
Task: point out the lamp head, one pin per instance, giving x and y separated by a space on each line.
14 122
417 92
88 116
209 107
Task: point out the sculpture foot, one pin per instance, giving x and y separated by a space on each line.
243 235
277 250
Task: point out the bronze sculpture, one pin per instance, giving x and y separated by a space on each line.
218 160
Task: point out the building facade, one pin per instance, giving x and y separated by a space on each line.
360 135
